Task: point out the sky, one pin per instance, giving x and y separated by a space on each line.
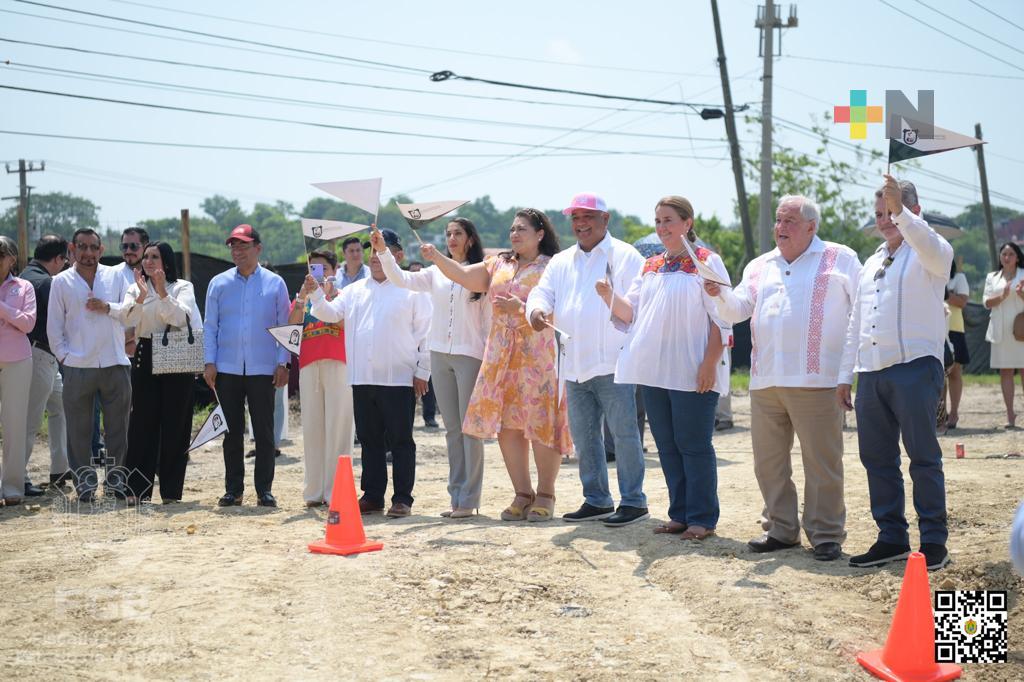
662 50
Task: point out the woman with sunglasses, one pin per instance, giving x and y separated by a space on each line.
161 418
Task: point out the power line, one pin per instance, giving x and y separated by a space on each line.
997 16
969 27
326 152
312 79
231 94
847 62
218 36
395 43
934 28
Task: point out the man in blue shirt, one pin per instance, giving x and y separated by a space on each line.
243 362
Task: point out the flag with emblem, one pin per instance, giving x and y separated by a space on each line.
215 425
910 146
330 229
289 336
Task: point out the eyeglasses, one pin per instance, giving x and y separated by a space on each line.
130 246
885 266
88 247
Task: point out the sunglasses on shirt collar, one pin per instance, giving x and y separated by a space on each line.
880 273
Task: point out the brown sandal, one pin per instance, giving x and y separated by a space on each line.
518 512
538 513
671 528
697 533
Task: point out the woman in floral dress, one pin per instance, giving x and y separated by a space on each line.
516 392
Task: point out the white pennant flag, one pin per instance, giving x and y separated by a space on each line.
703 269
362 193
911 146
215 425
289 336
329 229
418 215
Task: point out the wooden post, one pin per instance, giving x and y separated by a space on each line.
186 253
986 204
22 237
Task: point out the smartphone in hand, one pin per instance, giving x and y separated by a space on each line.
317 270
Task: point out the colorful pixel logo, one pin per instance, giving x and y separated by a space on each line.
858 114
901 118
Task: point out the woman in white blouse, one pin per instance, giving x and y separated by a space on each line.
161 417
674 353
1004 296
458 333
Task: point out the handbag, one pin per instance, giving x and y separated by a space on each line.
1018 327
179 351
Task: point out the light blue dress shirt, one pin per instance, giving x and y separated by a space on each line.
238 312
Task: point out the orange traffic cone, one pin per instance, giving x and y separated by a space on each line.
909 653
344 523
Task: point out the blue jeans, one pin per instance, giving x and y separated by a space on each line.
587 402
682 423
901 401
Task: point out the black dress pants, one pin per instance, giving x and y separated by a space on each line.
159 428
384 417
234 391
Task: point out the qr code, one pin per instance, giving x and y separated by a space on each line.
970 626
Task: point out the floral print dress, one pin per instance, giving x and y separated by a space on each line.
517 387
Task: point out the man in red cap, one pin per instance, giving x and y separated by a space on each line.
244 362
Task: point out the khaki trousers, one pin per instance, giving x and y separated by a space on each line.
815 416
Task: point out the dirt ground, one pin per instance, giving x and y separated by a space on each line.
193 591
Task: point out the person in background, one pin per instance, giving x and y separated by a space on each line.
17 319
386 349
458 334
354 268
87 339
669 315
243 361
47 389
957 293
1004 296
325 395
161 420
516 394
429 400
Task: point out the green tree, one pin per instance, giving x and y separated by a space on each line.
55 212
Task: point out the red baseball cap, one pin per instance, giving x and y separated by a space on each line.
243 233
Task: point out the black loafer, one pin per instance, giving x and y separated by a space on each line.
230 500
266 500
32 490
828 551
880 554
625 515
766 543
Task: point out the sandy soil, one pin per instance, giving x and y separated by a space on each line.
193 591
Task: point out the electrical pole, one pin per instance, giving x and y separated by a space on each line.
768 22
186 247
980 151
734 144
24 236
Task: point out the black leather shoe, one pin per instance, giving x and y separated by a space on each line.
766 543
33 490
266 500
368 507
625 515
588 512
230 500
880 554
828 551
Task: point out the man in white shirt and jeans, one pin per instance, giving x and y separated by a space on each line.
88 341
894 344
567 289
388 366
798 298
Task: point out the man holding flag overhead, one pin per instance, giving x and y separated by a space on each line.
894 343
244 362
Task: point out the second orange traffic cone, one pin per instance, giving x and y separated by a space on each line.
345 533
909 652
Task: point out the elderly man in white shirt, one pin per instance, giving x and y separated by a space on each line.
567 289
388 361
88 341
894 344
798 298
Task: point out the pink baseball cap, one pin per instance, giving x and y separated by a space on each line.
588 201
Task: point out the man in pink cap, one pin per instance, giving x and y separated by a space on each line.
243 361
567 290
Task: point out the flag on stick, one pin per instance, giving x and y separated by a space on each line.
215 425
703 269
362 193
289 336
329 229
910 146
418 215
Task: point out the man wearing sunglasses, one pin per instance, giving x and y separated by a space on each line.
894 343
133 243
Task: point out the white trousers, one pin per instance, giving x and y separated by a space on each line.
325 398
47 393
14 377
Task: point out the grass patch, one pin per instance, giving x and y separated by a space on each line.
740 380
